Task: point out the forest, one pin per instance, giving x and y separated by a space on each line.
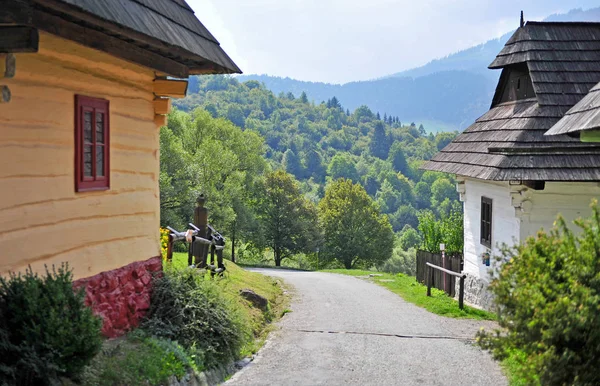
305 184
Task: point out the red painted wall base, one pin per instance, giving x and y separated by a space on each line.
121 297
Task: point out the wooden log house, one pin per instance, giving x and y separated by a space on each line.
84 88
513 178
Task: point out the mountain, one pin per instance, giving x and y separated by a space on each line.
445 94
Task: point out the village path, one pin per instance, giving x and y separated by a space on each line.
342 331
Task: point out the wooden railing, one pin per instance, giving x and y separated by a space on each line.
450 261
431 268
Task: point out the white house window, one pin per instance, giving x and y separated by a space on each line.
486 222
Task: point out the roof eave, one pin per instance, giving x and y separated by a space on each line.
106 30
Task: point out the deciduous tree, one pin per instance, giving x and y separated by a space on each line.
355 232
289 221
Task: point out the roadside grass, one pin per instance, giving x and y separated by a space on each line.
141 359
235 279
410 290
513 368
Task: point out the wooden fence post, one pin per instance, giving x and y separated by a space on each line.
200 253
429 279
170 248
461 292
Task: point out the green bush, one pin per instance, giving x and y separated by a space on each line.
548 296
138 360
46 331
401 262
447 230
194 312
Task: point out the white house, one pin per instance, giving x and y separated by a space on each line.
512 178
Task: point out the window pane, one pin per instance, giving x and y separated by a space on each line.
87 161
100 127
87 127
99 161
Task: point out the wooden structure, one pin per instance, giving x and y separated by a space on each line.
85 86
512 178
452 262
583 120
432 269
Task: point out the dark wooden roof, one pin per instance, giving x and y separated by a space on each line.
508 142
563 59
585 115
167 28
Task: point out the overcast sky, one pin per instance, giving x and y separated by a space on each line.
339 41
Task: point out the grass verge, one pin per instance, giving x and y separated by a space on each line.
410 290
142 359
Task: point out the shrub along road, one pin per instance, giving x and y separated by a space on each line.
344 330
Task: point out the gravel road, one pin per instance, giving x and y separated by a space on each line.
347 331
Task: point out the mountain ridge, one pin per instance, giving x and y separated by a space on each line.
445 94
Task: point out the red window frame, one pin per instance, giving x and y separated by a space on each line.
93 179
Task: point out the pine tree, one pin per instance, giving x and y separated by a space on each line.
378 116
335 103
379 145
303 97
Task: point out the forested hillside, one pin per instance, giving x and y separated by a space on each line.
448 93
232 134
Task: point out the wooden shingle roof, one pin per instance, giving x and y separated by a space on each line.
508 142
138 30
563 59
585 115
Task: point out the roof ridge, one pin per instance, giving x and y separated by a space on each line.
564 23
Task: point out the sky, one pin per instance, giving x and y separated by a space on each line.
339 41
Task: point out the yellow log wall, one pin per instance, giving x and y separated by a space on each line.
42 219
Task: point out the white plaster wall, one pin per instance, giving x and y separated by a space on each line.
570 199
505 226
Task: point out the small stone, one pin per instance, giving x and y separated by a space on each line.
254 298
243 363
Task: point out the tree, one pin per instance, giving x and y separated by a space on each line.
355 232
210 156
448 230
236 115
441 189
443 139
342 166
288 221
422 195
314 165
409 238
398 159
291 163
303 98
379 146
405 215
388 198
547 292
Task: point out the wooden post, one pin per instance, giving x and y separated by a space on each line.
200 253
170 248
461 292
233 242
429 280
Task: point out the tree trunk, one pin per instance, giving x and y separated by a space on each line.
277 254
233 244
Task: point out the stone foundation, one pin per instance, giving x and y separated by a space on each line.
121 297
476 292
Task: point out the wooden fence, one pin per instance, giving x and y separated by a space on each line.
441 280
